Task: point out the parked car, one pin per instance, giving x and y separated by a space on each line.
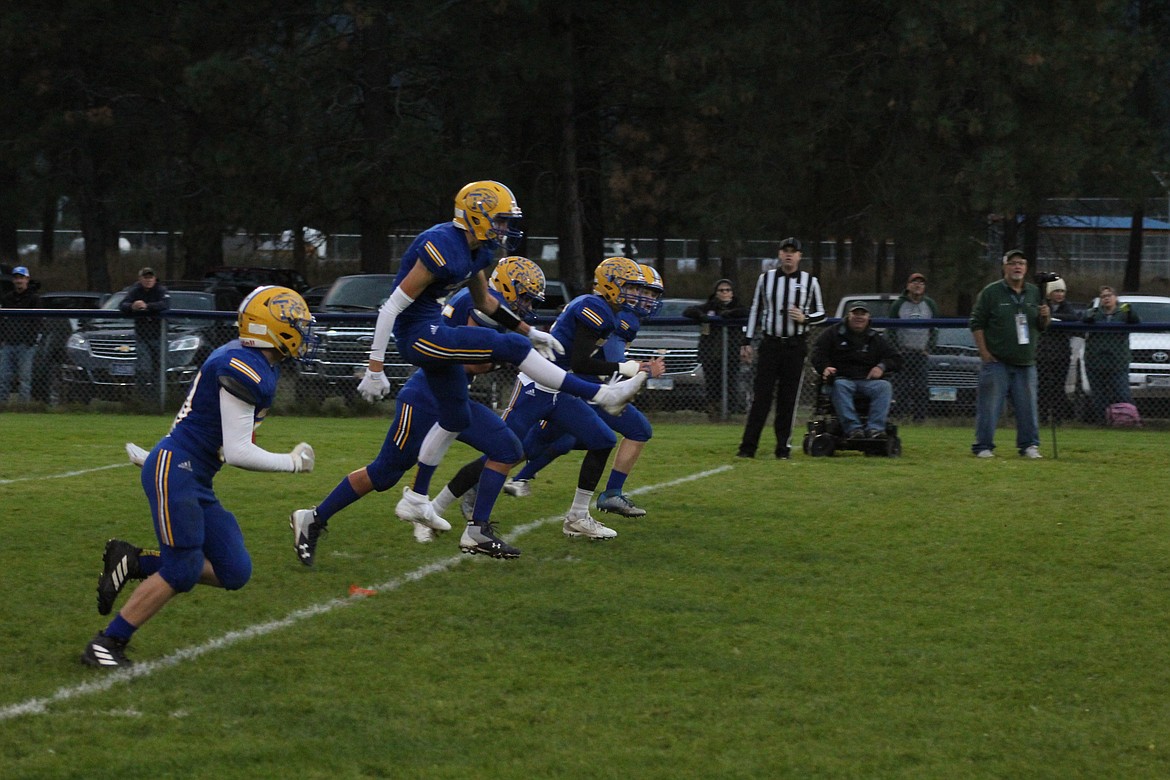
100 356
55 331
678 343
314 295
952 371
879 304
556 295
344 347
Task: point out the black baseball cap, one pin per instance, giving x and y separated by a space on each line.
855 305
790 242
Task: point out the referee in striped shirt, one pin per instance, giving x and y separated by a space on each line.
786 303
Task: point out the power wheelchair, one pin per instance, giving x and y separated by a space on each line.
825 435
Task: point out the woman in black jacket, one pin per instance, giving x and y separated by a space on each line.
722 313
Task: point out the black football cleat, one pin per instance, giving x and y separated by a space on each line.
106 652
482 540
119 566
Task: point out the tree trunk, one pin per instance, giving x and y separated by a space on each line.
1133 260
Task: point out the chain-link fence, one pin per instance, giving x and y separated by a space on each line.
95 359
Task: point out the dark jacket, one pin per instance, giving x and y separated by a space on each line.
854 354
732 313
20 330
1053 349
147 324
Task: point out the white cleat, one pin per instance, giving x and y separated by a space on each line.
417 508
584 525
423 534
520 488
614 398
136 453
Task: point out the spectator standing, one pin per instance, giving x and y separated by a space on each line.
786 302
722 313
853 359
146 300
914 345
18 337
1053 354
1006 322
1107 355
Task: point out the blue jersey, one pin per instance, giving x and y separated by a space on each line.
444 251
589 312
461 307
245 373
625 332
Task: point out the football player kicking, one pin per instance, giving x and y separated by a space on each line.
439 261
517 283
200 542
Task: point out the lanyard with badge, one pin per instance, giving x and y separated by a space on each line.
1022 334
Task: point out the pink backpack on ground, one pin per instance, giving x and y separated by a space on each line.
1123 415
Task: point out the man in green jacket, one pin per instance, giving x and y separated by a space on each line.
1006 322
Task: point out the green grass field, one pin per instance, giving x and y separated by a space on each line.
932 616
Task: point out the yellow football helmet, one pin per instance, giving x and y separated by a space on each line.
520 281
652 288
278 318
485 209
624 284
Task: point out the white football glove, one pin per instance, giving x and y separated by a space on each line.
136 453
545 344
303 458
374 386
629 368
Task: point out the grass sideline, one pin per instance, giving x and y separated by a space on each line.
934 615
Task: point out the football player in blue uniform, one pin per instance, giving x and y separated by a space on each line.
416 413
200 542
586 322
545 444
442 259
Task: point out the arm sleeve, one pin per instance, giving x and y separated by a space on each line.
236 420
394 305
582 360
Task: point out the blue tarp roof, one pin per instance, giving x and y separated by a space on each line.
1099 223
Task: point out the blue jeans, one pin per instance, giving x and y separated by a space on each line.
878 391
998 381
16 360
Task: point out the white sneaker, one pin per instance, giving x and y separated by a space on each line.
1032 452
416 508
423 534
985 454
614 398
584 525
518 488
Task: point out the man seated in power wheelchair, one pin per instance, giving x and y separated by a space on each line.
853 397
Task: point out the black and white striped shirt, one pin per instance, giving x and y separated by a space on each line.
775 293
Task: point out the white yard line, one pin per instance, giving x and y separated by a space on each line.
107 680
65 474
